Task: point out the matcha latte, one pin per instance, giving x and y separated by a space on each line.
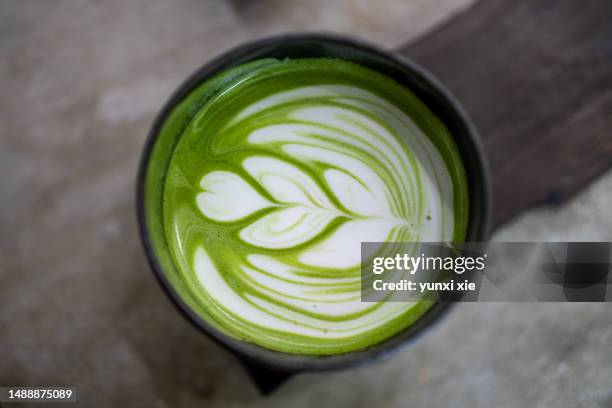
280 170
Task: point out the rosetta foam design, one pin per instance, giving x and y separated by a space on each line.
278 178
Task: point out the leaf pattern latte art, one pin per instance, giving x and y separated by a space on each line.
283 169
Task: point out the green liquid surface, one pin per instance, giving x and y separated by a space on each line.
280 170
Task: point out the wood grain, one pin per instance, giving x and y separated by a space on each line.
536 77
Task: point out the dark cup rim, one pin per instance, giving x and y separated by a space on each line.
252 353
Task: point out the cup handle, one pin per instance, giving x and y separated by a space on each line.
266 380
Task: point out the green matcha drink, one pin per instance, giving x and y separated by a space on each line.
281 170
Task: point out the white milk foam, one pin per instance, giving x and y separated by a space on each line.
382 192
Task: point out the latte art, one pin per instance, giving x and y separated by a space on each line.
281 171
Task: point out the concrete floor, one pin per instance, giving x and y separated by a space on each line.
81 83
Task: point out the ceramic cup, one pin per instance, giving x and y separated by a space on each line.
267 367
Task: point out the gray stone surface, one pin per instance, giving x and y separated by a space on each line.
81 82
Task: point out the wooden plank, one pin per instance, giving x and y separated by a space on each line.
536 77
